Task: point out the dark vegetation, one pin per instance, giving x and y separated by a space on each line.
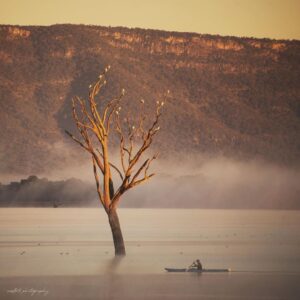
269 189
236 97
37 192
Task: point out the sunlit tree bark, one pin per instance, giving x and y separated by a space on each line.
95 126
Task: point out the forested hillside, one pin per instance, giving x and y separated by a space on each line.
235 97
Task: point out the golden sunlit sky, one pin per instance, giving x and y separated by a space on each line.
255 18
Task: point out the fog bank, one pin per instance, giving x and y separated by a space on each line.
220 183
203 182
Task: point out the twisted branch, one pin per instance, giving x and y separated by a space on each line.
91 123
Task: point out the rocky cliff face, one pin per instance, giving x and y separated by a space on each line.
237 97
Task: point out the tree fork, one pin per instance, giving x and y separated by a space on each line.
94 129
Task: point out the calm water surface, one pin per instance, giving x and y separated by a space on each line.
252 240
258 245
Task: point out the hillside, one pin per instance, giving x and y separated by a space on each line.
235 97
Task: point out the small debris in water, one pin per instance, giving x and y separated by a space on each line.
22 252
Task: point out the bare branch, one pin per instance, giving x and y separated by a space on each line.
94 124
122 145
97 182
76 140
139 171
145 166
114 167
142 180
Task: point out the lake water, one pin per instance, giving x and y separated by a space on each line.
69 251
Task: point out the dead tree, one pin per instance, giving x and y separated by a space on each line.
95 126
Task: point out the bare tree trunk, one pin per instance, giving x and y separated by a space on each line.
93 123
116 232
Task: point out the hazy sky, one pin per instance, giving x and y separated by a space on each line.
258 18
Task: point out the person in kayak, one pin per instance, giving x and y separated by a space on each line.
196 264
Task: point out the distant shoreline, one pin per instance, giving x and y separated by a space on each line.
35 192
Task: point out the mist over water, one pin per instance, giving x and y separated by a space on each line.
69 253
223 183
155 239
198 181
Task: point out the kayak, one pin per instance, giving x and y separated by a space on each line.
198 271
